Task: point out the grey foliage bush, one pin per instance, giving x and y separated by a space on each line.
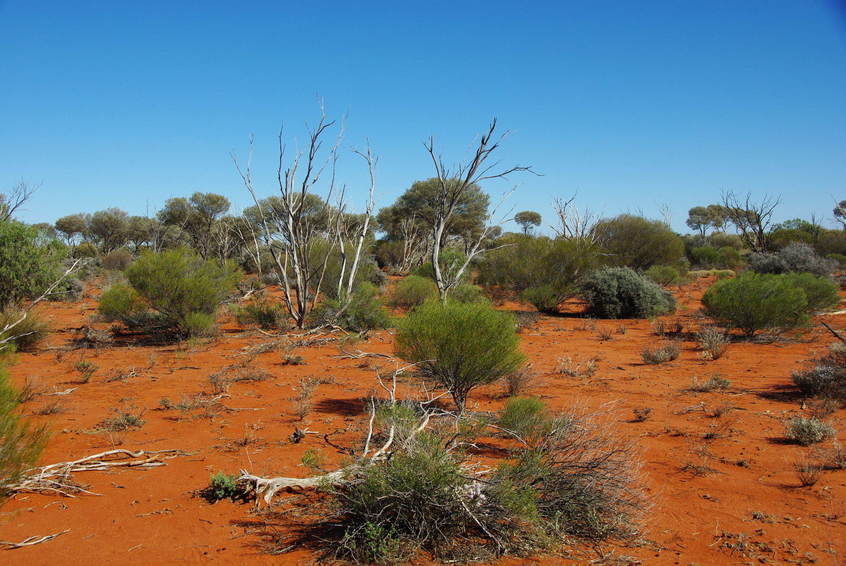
796 257
620 292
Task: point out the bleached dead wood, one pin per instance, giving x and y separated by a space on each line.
56 478
30 541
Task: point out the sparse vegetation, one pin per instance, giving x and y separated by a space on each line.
713 342
666 352
807 431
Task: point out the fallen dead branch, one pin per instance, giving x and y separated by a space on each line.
30 541
57 478
359 354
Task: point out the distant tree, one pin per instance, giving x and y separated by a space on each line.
701 218
141 231
72 226
196 216
633 241
753 220
109 228
528 219
840 213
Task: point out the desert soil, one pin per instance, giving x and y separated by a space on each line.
723 488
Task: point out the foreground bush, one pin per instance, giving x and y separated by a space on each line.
459 345
807 431
20 445
620 292
177 285
755 302
412 291
28 333
572 479
28 264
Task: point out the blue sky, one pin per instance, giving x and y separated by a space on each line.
632 104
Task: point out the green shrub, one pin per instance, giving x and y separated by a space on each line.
466 293
175 284
117 260
28 333
753 302
526 417
223 486
807 431
28 263
663 275
412 291
20 445
839 258
524 262
633 241
199 324
261 312
821 293
544 298
364 311
450 260
620 292
460 346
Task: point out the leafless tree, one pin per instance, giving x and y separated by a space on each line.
575 223
14 199
753 220
301 240
454 183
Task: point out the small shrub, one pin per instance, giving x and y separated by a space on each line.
199 324
69 289
619 292
262 313
827 379
86 370
413 291
713 342
363 312
821 292
467 293
641 414
460 346
21 444
796 257
122 420
714 383
808 472
28 333
604 334
753 302
807 431
544 298
117 260
223 486
663 275
28 264
519 382
568 367
661 354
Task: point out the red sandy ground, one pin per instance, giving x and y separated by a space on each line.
153 516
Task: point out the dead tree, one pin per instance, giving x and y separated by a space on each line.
290 231
575 223
753 220
14 199
453 184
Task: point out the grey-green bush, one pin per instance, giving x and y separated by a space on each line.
412 291
620 292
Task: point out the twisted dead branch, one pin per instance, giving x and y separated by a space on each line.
57 478
30 541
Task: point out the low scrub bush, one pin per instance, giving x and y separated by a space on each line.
661 354
27 333
821 293
753 302
459 345
826 379
413 291
28 263
620 292
117 260
713 342
262 313
20 444
467 293
177 285
69 289
663 275
544 298
363 312
713 383
807 431
796 257
223 486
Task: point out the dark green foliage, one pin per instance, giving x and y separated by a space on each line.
28 262
261 312
525 416
636 242
544 298
839 258
175 284
199 324
413 291
467 293
527 220
20 445
754 301
663 274
364 311
620 292
526 262
459 345
223 486
450 259
820 292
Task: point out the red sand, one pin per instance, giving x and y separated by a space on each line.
153 517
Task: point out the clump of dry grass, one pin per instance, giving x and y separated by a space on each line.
519 382
666 352
568 367
713 342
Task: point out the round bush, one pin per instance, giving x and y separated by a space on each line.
460 345
544 298
756 301
620 292
364 311
117 260
663 274
412 291
27 265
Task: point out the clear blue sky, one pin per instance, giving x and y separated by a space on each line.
632 104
